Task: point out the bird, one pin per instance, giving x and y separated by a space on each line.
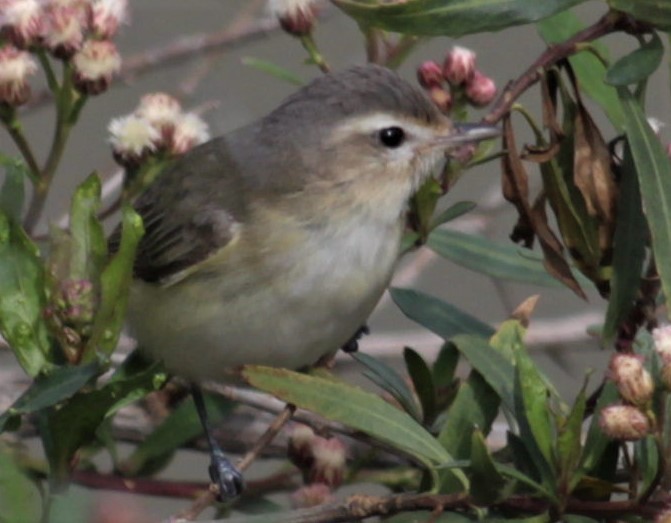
273 243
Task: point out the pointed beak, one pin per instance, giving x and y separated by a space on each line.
467 133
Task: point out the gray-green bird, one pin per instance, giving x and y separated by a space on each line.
273 244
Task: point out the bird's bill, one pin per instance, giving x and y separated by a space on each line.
469 132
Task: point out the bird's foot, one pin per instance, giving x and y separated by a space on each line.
353 344
224 474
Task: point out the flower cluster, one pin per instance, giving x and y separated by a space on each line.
322 461
457 78
157 125
629 421
79 32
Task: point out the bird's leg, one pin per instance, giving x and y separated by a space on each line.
352 344
222 472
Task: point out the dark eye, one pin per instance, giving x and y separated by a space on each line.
392 137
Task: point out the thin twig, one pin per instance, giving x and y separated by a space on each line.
609 23
273 430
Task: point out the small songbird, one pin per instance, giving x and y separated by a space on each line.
272 244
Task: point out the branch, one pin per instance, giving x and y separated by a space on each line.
358 507
609 23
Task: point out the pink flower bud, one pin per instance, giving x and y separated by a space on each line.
662 338
105 16
429 75
297 17
133 138
329 461
441 98
624 422
190 130
300 446
94 66
633 382
663 517
459 65
64 33
22 21
311 496
480 89
15 68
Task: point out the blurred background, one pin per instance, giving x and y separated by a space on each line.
227 93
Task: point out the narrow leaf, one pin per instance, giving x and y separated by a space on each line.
13 192
654 176
454 18
438 316
475 406
637 65
536 423
389 380
496 370
51 389
452 213
488 483
115 283
487 257
353 407
629 243
422 380
273 70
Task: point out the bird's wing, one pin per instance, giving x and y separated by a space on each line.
191 211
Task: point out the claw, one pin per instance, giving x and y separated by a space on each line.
224 474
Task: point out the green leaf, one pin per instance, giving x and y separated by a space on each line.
439 317
647 459
596 442
591 72
422 380
453 212
453 18
637 65
115 282
51 389
19 497
655 12
487 257
181 426
22 298
388 380
273 70
445 365
74 424
496 370
628 248
654 176
355 408
475 406
569 445
88 246
535 420
12 193
487 482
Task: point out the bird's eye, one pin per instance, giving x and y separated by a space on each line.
392 137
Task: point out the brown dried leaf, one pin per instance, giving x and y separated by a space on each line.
553 251
525 309
592 168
